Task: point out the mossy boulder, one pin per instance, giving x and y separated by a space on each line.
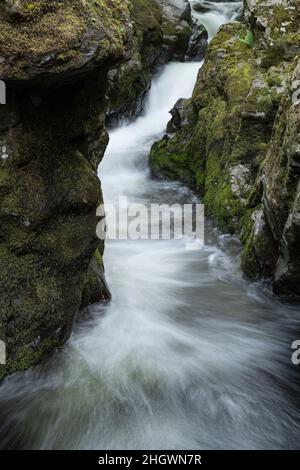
52 37
130 80
171 157
240 153
55 59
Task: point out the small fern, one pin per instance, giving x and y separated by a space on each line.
249 39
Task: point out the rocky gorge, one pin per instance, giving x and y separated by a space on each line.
175 344
235 141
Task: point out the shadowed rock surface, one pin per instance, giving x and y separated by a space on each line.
54 60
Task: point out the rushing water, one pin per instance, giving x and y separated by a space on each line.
187 355
217 14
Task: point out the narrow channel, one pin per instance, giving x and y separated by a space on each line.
187 354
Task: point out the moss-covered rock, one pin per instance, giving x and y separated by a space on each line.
237 153
54 37
95 288
277 23
130 80
281 196
55 58
162 31
172 156
210 143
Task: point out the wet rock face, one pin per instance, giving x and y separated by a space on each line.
163 31
241 152
176 9
55 59
197 44
281 198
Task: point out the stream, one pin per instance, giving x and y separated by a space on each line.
188 354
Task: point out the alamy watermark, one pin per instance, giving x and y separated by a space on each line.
136 221
2 92
296 353
2 352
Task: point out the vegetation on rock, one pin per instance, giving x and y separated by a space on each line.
237 138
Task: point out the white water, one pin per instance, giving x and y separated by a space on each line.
187 355
218 14
123 161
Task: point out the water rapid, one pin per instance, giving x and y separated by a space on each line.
187 355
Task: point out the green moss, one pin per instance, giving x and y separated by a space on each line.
37 309
260 252
50 29
177 36
175 156
249 39
28 356
147 14
219 200
239 79
171 160
275 77
28 6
